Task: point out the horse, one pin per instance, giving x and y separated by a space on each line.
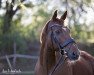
59 53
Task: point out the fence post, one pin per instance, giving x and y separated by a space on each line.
14 58
10 66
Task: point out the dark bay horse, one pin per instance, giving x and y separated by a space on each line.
59 54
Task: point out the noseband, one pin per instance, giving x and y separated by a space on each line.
60 46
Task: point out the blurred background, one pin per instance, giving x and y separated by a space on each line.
21 22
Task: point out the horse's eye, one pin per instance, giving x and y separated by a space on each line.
57 32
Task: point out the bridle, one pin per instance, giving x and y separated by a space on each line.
60 46
56 41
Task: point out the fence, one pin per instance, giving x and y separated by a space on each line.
15 56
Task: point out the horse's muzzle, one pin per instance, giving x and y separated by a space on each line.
73 55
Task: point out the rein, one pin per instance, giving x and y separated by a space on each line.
61 47
57 65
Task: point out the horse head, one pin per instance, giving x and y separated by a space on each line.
57 37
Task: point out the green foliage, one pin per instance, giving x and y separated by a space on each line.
82 34
39 20
42 11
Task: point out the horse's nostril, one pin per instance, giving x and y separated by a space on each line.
74 54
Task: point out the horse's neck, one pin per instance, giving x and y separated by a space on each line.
47 58
50 59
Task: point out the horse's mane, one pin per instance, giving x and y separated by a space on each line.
42 40
50 54
44 32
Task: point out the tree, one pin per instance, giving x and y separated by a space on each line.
6 37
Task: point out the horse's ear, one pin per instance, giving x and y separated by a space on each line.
63 17
54 15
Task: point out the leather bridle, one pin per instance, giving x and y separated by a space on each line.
54 39
60 46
